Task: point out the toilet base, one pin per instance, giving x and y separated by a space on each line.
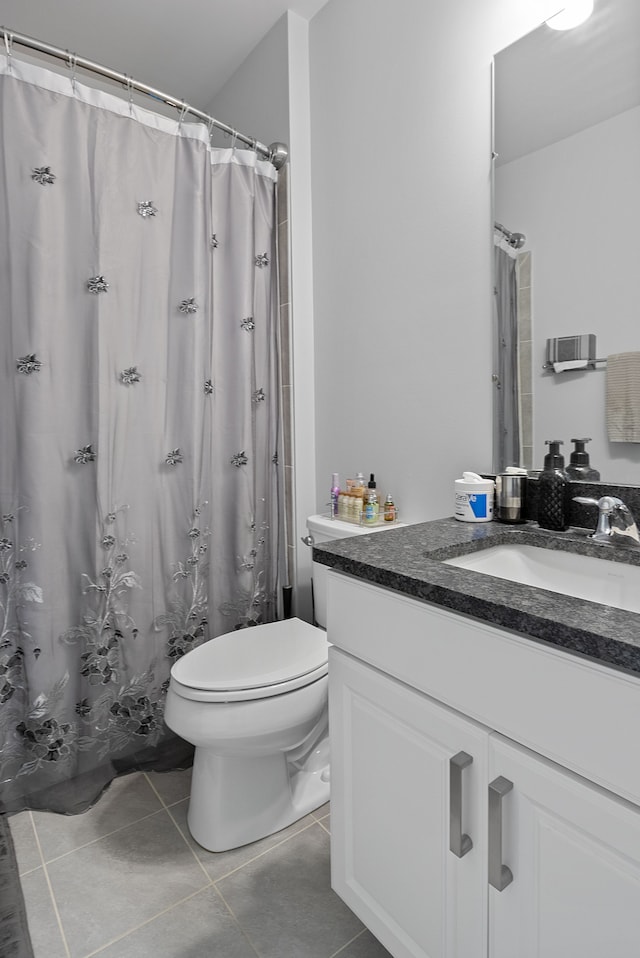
238 800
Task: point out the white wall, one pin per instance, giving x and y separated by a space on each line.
390 161
578 203
256 98
400 121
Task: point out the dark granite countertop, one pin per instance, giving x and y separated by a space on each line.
408 560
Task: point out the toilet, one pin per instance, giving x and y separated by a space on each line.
253 702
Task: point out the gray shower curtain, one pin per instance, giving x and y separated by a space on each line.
140 443
506 401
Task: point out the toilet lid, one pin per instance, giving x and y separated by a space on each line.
254 658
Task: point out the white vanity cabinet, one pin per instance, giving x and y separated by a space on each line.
460 752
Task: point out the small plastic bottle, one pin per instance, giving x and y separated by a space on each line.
335 494
371 502
389 509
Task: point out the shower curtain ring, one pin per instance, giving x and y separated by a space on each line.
184 109
130 93
8 43
210 125
71 63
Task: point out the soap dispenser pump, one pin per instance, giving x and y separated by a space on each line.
552 490
579 467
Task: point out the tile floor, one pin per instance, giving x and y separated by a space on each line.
126 880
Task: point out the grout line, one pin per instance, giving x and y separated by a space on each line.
320 818
36 868
154 789
194 851
100 837
54 903
164 804
340 950
244 933
266 851
148 921
189 846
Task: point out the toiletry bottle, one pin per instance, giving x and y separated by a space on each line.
579 467
389 509
371 504
358 499
335 493
552 490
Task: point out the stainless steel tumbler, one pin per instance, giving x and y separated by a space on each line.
511 494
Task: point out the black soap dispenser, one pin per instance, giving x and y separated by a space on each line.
552 490
579 467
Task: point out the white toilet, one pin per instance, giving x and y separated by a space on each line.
254 704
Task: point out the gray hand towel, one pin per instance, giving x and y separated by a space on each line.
623 397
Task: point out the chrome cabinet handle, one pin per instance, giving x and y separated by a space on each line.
499 875
459 844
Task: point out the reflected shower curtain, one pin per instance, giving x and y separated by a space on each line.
140 455
506 418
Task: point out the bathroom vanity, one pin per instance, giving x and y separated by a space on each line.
485 757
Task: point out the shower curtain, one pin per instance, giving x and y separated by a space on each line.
140 442
506 418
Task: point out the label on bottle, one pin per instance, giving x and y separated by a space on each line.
371 511
473 506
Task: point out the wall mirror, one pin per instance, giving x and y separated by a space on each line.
566 130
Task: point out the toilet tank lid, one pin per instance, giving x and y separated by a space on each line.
339 529
252 658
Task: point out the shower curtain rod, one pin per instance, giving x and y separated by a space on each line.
277 153
515 239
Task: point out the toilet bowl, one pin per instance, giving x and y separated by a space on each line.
253 702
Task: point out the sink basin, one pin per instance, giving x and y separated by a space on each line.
584 577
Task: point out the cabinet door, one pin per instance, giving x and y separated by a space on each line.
391 822
574 850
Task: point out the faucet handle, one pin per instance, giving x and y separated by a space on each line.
615 520
606 504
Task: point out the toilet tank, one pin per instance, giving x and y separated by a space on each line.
322 529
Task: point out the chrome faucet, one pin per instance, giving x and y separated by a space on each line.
616 525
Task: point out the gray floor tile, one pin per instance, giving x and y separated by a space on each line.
128 799
322 812
172 786
219 864
113 885
285 904
326 823
24 842
364 946
44 930
198 928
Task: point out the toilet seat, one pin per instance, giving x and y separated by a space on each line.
259 662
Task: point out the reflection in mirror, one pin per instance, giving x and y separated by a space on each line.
566 175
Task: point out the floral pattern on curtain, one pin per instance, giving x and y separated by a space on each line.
140 445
